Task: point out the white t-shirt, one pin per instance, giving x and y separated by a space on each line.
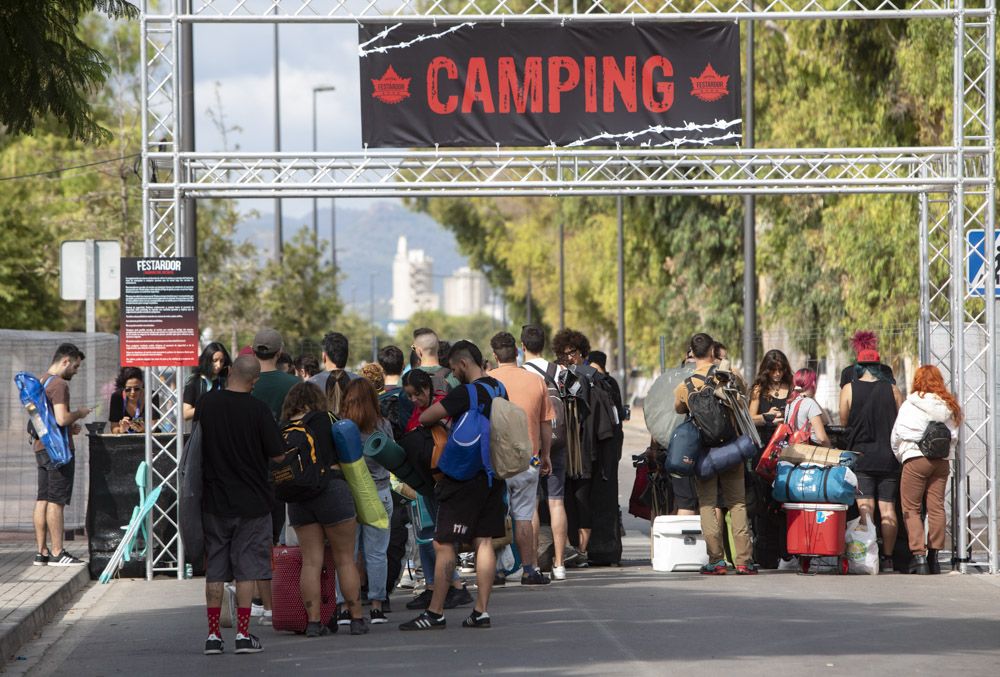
542 364
807 410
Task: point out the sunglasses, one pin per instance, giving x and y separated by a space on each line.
132 389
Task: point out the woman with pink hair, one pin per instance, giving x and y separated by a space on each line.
804 411
864 340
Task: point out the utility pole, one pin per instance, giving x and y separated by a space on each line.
749 229
562 274
622 358
527 299
278 235
189 213
317 89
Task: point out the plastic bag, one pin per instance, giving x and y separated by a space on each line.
862 547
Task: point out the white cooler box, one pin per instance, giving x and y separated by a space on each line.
678 544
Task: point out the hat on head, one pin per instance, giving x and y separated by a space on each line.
266 341
246 350
868 356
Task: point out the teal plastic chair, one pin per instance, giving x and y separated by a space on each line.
126 550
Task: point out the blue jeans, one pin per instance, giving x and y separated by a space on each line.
374 542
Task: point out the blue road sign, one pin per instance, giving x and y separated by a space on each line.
976 263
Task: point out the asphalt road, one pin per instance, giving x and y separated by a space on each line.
602 621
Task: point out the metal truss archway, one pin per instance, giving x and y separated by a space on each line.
955 185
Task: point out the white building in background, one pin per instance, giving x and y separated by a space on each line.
412 282
466 292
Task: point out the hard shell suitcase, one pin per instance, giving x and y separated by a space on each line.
289 613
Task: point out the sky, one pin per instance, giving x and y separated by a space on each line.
234 71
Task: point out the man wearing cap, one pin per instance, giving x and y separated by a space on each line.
274 384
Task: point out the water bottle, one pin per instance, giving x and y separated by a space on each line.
188 571
36 420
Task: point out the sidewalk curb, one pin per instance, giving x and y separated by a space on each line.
22 628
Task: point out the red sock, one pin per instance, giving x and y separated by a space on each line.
243 620
213 621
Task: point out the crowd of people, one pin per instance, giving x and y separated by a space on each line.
886 430
260 406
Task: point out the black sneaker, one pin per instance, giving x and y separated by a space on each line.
377 616
64 559
477 620
40 560
344 616
457 597
499 580
424 622
421 601
359 626
885 565
214 645
536 577
248 644
316 629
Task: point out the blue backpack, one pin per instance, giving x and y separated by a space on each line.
43 418
468 448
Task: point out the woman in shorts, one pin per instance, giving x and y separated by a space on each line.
329 516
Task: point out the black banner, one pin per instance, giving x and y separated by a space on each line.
159 312
541 84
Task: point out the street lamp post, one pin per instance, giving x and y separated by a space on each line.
316 90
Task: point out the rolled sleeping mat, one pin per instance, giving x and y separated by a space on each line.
720 459
347 441
383 450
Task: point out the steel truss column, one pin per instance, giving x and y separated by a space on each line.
162 236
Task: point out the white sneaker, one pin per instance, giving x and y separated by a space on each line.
558 573
256 610
266 617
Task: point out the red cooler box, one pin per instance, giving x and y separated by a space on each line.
816 529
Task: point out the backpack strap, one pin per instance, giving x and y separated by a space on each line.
548 378
689 382
473 397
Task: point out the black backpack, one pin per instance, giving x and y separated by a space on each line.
439 380
936 441
558 405
397 409
708 412
302 474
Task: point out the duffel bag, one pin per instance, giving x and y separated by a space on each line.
814 484
684 450
725 457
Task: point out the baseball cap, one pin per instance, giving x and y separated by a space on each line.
868 356
266 341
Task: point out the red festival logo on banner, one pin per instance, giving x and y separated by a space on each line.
391 88
709 86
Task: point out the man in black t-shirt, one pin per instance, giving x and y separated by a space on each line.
467 510
239 435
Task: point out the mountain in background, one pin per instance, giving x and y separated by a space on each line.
366 243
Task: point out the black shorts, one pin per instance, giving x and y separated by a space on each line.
333 506
881 486
470 509
237 548
685 495
55 485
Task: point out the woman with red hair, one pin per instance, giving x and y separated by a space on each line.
924 478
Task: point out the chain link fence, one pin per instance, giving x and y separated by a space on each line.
92 386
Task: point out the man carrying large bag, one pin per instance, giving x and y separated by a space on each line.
730 481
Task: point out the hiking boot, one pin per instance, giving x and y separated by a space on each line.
714 569
558 573
457 597
534 578
344 615
745 570
40 560
214 645
477 620
359 626
421 601
377 616
248 644
316 629
424 622
64 559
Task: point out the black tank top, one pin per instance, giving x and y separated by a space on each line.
873 413
766 404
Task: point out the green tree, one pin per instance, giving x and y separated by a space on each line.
477 328
300 291
48 69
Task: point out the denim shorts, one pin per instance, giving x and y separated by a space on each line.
333 506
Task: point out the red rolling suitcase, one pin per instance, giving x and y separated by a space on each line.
289 613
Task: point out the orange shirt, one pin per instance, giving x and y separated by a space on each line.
528 392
